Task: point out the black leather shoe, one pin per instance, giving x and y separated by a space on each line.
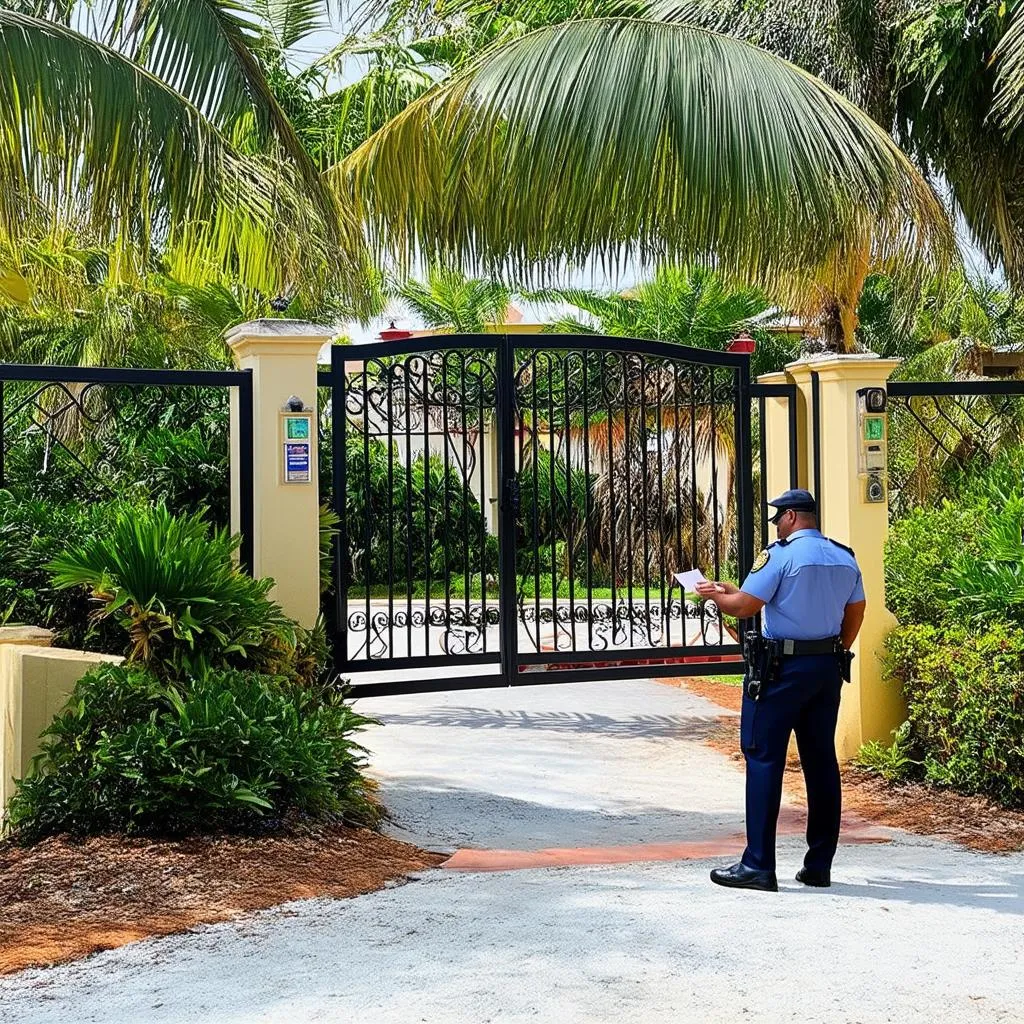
739 876
819 879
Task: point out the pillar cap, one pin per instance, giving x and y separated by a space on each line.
273 328
277 337
851 364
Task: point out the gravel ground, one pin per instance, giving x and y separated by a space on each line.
912 931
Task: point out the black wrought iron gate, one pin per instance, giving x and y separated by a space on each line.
513 509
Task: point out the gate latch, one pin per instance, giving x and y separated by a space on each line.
513 494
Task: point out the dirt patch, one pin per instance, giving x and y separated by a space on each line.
972 821
722 694
62 899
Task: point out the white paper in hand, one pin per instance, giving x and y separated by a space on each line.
688 580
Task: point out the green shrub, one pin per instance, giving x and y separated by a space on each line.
146 445
919 553
895 762
32 534
987 579
422 517
131 753
965 697
173 586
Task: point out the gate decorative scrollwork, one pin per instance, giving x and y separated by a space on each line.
525 501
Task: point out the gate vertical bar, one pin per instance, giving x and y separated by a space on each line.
339 460
744 474
507 508
246 476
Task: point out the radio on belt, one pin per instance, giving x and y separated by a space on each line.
872 442
297 442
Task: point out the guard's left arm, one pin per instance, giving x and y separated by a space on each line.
731 600
853 619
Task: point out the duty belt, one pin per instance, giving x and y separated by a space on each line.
764 657
799 648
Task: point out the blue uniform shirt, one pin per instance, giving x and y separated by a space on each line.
806 582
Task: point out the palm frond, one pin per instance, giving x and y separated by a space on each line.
88 139
638 140
291 21
206 50
1009 98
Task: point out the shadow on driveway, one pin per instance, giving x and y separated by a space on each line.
680 727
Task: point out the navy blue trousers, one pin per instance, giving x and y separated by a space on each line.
804 700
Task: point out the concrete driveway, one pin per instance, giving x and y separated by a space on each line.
611 789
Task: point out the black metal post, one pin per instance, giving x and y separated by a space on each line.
507 507
339 464
744 472
246 509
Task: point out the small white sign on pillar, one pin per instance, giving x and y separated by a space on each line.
297 447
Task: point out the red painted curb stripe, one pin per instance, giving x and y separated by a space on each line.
722 846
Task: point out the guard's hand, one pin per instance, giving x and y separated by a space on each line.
713 590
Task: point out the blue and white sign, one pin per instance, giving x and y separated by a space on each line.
296 462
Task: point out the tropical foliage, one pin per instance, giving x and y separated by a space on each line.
954 581
215 182
450 301
410 522
221 716
693 306
773 179
173 586
132 753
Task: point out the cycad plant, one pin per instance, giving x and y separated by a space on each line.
172 584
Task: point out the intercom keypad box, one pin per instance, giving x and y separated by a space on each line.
872 442
296 447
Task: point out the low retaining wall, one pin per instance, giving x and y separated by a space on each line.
35 682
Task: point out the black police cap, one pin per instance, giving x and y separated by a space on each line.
797 499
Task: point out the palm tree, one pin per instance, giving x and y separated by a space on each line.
692 306
155 131
641 139
450 301
946 79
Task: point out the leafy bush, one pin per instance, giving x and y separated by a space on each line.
435 520
133 753
32 534
146 445
894 762
965 557
172 584
919 553
965 695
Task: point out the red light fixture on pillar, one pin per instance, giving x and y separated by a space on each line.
393 333
743 344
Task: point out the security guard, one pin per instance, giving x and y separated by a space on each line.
812 594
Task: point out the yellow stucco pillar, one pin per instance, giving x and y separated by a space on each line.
871 708
775 438
282 355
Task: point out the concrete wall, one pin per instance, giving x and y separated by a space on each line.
35 683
